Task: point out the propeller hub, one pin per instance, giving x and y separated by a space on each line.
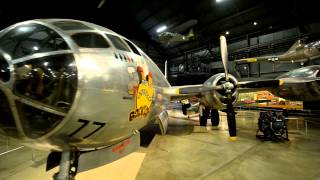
228 86
217 98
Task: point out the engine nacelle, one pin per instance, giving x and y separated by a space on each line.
217 98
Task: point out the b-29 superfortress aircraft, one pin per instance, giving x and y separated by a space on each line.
83 92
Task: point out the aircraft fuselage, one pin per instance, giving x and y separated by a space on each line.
91 95
299 89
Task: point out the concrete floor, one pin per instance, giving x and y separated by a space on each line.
187 153
183 154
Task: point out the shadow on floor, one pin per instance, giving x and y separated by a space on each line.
147 133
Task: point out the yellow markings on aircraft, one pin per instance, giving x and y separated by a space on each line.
281 82
143 99
250 59
171 91
232 138
177 91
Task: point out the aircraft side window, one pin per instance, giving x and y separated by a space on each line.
118 43
71 25
90 40
29 39
134 49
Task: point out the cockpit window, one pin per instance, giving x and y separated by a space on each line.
302 72
29 39
134 49
46 87
118 43
51 80
71 25
90 40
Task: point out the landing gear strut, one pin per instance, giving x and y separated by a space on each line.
68 166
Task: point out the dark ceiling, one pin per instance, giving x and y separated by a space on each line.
138 19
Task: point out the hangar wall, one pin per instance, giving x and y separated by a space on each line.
251 45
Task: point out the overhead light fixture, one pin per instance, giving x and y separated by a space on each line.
227 32
255 23
101 3
161 28
218 1
24 29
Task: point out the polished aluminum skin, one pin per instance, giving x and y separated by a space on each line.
87 90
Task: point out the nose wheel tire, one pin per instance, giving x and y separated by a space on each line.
214 115
205 114
215 119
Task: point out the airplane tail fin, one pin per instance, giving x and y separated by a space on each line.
298 43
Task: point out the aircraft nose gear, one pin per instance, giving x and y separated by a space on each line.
68 166
273 125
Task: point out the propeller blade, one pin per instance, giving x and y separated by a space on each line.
224 55
231 118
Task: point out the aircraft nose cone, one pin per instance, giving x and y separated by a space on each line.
4 70
36 94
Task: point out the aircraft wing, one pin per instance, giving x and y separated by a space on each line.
184 92
252 86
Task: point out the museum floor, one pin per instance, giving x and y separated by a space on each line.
186 152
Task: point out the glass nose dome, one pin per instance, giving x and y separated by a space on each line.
44 79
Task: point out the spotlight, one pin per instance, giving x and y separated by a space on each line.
161 28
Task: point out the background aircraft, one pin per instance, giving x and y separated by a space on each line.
83 91
301 84
170 37
176 33
298 52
